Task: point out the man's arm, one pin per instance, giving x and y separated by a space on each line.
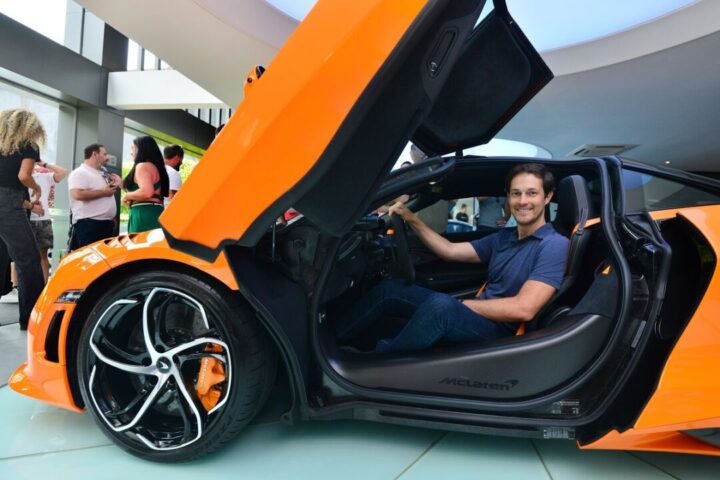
59 173
439 245
85 194
521 308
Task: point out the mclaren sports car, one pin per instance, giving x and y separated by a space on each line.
173 339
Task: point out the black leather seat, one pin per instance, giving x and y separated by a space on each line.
574 208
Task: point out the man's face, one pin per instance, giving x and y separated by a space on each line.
527 199
102 156
176 162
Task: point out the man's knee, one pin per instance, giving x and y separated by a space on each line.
441 302
439 307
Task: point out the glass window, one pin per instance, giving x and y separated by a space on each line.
133 56
483 213
648 192
46 17
149 61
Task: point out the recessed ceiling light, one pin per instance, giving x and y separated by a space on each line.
597 150
667 162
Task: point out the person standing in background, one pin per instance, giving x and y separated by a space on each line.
46 175
146 185
173 155
21 137
492 212
462 214
92 198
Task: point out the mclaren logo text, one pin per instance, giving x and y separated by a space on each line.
466 382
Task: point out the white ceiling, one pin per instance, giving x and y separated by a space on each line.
655 85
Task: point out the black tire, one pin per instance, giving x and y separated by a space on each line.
148 399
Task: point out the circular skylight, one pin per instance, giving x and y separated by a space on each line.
553 24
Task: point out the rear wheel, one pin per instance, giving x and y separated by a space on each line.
172 367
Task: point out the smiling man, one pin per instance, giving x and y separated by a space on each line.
525 267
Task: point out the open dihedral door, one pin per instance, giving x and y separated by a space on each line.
325 123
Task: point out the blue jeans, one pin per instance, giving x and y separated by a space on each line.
88 230
432 317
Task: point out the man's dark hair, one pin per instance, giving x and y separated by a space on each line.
93 148
537 169
219 129
172 151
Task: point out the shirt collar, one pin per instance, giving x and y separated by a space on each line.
542 232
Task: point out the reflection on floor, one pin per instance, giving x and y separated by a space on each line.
38 440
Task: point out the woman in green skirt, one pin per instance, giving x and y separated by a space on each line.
146 185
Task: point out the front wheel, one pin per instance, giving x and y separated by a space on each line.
172 367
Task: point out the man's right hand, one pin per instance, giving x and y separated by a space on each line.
439 245
116 180
401 209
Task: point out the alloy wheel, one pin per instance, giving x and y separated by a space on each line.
160 369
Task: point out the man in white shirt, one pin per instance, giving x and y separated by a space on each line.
92 198
46 175
173 155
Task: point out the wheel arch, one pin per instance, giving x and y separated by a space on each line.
95 289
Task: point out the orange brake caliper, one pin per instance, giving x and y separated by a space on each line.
212 372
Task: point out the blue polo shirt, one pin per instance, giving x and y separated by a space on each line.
511 262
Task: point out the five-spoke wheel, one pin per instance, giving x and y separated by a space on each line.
169 369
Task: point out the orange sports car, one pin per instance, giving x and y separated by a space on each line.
173 339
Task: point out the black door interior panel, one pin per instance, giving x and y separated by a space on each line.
509 368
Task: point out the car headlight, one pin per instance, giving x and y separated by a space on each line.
70 296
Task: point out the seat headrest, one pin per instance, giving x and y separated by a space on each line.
573 198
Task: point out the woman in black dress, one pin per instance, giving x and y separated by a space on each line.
21 135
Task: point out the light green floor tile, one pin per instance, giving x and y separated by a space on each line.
30 427
565 461
338 450
685 467
464 456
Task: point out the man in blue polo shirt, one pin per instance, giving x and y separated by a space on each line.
525 267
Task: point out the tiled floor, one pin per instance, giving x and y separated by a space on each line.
39 441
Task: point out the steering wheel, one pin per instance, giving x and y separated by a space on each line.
402 265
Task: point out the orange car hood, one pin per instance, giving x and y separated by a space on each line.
324 125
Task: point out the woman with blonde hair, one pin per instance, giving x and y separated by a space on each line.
21 137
